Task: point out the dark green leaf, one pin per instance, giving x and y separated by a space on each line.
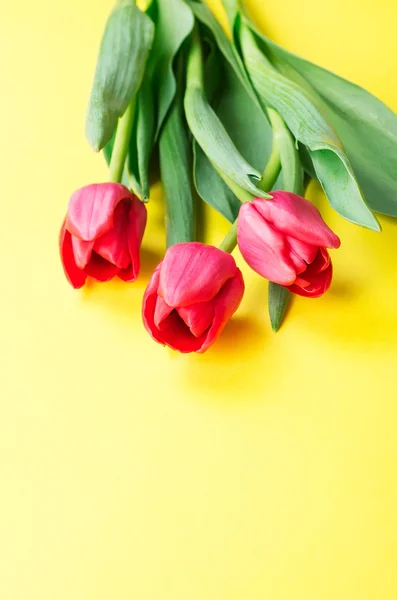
209 131
205 16
278 300
125 47
248 128
174 23
176 167
141 142
309 126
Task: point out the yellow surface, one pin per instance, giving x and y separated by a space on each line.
265 469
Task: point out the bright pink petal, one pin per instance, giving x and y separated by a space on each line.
177 335
193 272
318 285
100 269
136 229
198 317
91 208
305 252
161 312
263 247
82 252
113 245
174 332
298 218
74 275
149 306
317 278
226 303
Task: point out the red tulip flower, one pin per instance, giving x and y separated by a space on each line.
102 234
191 296
285 240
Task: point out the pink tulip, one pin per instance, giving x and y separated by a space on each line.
102 234
285 241
191 296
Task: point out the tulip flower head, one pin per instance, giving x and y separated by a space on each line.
102 234
191 296
285 240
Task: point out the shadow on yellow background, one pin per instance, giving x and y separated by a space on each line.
263 469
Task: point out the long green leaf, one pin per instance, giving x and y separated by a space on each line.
252 136
124 50
310 127
142 141
176 167
174 22
209 131
366 126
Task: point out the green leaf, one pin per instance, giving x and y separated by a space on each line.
366 126
176 167
278 299
252 137
174 22
205 16
209 131
124 50
309 126
142 140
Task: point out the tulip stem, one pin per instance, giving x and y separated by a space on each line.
229 242
121 143
273 167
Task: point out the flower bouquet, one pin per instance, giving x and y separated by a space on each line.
232 119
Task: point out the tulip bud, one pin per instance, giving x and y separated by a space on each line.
102 234
285 240
191 296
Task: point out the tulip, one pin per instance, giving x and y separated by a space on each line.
191 296
102 234
285 240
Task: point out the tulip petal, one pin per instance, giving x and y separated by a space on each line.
318 285
161 311
113 245
74 275
198 317
91 208
302 251
136 228
225 305
149 306
177 335
82 252
193 272
100 269
298 218
263 247
317 277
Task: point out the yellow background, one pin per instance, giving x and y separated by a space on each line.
265 469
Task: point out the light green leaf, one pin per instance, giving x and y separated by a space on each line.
124 50
309 126
174 22
366 126
278 299
176 167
